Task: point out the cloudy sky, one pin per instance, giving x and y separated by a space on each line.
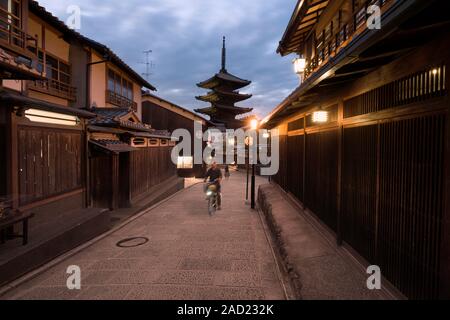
186 37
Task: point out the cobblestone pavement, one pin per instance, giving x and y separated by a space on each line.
190 255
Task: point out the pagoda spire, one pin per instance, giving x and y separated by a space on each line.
223 95
224 57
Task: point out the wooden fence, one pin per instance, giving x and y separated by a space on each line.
50 162
148 168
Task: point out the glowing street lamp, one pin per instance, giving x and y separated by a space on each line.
254 124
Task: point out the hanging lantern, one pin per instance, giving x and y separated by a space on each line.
320 116
299 65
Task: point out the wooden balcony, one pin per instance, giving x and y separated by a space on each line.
120 101
54 88
15 39
329 43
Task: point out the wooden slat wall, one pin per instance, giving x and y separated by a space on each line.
2 160
359 189
49 162
392 179
281 177
411 202
417 87
101 180
149 167
321 175
295 165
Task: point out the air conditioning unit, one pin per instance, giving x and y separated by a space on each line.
139 142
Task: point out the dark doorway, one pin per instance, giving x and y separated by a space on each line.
124 180
101 180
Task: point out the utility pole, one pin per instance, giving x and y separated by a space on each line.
148 64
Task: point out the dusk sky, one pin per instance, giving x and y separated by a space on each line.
186 39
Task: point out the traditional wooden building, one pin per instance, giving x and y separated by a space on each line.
162 114
223 96
365 139
43 142
129 160
71 138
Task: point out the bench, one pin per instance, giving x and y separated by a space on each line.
13 219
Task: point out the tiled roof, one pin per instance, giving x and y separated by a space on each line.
148 94
163 133
108 115
115 146
111 117
218 78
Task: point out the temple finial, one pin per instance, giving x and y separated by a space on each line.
224 56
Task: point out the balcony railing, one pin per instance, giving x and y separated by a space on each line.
15 38
120 101
329 44
55 88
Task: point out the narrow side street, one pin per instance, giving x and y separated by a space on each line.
190 255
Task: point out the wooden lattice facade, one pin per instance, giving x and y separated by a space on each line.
377 174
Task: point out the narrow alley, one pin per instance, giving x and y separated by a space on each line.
189 255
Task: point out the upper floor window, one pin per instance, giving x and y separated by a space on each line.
10 21
55 68
58 74
119 85
10 13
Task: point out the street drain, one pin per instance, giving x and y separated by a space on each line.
132 242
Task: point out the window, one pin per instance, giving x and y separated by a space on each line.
119 85
55 68
110 80
185 163
10 13
10 21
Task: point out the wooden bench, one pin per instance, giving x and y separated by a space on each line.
13 219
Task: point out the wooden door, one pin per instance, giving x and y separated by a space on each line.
101 180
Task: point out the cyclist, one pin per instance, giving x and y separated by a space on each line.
215 176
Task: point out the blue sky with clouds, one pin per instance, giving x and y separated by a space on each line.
186 39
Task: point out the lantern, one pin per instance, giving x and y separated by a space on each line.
320 116
299 65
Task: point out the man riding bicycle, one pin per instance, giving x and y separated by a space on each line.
215 176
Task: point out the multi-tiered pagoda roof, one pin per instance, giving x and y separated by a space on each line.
223 96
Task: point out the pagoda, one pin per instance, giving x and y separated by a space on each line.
223 96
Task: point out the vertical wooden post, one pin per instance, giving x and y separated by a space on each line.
86 172
444 272
377 196
339 239
13 174
304 162
114 181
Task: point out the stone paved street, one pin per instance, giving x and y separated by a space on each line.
189 256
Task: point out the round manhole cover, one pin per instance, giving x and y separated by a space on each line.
132 242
